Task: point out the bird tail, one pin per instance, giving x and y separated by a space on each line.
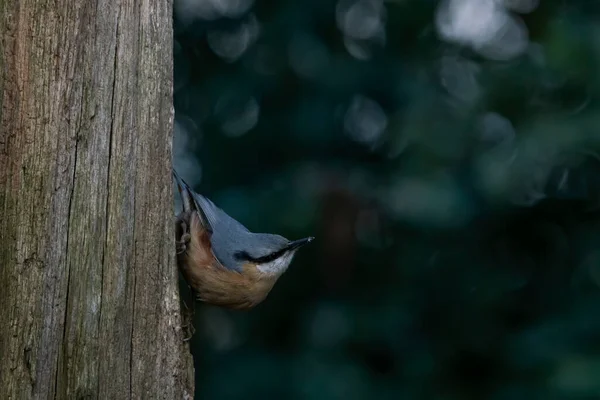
184 192
190 200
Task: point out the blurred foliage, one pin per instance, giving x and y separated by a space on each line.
443 154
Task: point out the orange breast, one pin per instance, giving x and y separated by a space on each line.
216 284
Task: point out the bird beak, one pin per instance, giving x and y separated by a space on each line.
299 243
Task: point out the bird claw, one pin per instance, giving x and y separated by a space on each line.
181 245
183 233
187 316
190 330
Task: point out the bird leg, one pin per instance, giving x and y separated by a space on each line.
182 239
182 233
188 314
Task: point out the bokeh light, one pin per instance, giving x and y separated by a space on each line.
445 156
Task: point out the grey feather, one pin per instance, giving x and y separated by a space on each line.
228 236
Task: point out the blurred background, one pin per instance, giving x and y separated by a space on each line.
445 156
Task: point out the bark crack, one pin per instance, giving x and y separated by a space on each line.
108 172
132 300
131 335
64 333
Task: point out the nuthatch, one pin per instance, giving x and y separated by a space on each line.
223 262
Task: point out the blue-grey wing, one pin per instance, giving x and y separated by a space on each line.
227 235
192 201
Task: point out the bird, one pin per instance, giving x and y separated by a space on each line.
223 262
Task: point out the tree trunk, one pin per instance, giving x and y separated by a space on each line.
89 305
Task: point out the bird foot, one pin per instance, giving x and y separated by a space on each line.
187 325
183 233
189 331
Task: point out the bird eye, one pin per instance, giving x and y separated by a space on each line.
242 256
270 257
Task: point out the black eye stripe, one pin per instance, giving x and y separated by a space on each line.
244 256
271 257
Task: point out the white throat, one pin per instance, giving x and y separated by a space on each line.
277 266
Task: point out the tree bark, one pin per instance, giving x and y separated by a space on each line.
89 304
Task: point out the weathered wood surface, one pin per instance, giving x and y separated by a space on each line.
88 299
